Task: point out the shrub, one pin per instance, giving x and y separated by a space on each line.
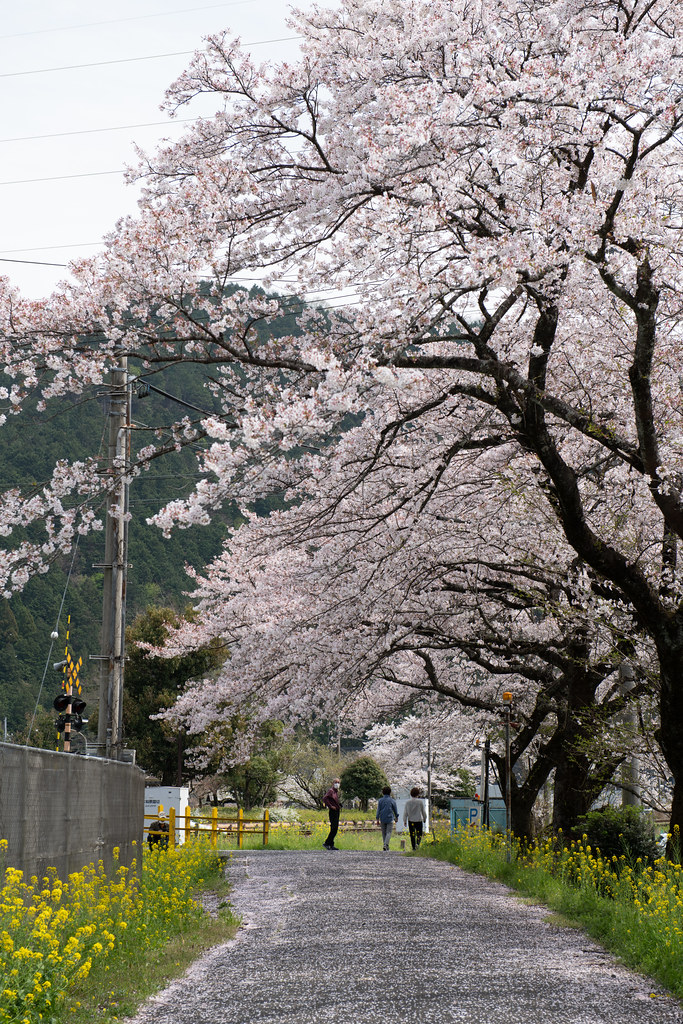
283 814
618 831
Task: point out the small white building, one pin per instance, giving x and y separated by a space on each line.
166 797
401 795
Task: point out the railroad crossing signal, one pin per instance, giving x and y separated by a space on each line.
69 704
71 671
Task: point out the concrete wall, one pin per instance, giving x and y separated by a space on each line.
66 811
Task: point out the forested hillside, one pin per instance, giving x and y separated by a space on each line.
76 430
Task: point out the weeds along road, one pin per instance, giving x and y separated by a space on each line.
379 938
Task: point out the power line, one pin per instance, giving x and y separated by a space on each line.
35 263
96 64
45 248
235 280
119 21
93 131
132 60
61 177
342 301
345 301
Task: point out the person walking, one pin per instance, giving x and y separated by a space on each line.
415 814
333 803
387 814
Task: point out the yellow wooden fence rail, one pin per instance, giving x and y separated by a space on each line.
190 824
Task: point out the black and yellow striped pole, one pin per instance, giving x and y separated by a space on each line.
69 703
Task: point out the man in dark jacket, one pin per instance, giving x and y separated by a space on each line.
333 803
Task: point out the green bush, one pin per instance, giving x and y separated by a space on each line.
363 779
619 831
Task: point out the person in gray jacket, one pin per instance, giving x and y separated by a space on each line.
387 814
415 814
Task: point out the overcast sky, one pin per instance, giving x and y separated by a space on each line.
67 132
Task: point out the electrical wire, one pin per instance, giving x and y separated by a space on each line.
174 398
59 613
94 131
302 303
44 248
133 60
82 245
62 177
120 21
52 640
35 263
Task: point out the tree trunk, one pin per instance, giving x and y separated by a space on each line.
523 795
180 751
674 848
670 734
573 795
522 805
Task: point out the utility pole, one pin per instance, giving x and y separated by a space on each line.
112 656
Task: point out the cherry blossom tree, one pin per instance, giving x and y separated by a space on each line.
499 183
333 608
433 744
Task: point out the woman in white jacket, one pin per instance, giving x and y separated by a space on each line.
415 814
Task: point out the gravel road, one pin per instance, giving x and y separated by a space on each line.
375 938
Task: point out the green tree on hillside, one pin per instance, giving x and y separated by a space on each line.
363 779
74 430
152 684
312 767
254 780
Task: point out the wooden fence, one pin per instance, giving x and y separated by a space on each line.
188 824
239 826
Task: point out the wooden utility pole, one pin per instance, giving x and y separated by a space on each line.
112 656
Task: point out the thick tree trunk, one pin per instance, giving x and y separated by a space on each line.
524 794
671 728
523 800
573 791
578 779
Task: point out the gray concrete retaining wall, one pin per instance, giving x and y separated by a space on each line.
67 811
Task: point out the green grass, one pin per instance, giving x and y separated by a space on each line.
310 835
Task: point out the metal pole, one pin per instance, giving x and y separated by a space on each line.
507 701
121 534
429 779
67 724
630 769
486 817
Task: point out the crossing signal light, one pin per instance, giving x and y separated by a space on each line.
75 717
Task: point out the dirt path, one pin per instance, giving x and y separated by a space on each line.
373 938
